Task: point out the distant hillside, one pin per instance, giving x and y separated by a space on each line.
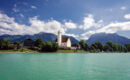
103 38
45 36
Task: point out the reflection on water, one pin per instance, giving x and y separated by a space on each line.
64 66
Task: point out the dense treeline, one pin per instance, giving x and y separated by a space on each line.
39 45
46 46
108 47
7 44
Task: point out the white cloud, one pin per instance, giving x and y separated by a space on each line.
127 16
89 22
123 8
110 28
21 15
86 35
9 26
51 26
15 9
73 35
33 7
70 25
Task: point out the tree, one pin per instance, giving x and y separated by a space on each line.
124 49
98 46
2 43
54 46
127 47
16 45
115 47
92 49
109 43
7 44
84 45
47 47
38 43
108 46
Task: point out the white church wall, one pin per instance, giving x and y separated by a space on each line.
68 44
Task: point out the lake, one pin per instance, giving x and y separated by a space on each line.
64 66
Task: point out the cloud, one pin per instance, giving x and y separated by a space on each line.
123 8
127 16
51 26
89 22
9 26
110 28
21 15
15 9
70 25
33 7
73 35
86 35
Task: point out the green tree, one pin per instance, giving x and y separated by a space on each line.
98 46
54 46
108 47
84 45
115 47
16 45
128 47
38 43
124 49
47 47
92 49
7 44
2 43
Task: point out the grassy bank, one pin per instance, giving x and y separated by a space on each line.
70 51
19 51
35 51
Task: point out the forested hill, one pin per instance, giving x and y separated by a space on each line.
103 38
45 36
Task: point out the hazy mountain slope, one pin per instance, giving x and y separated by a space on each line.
103 38
45 36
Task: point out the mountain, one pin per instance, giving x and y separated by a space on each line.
103 38
45 36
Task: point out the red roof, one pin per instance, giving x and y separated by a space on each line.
63 39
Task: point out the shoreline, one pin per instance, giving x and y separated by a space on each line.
33 51
4 52
13 51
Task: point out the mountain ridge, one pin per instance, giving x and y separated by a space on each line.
104 37
45 36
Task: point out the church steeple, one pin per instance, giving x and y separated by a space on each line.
59 37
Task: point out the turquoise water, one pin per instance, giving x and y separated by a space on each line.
64 66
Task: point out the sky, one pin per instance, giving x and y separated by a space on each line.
77 18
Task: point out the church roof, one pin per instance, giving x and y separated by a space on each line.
63 39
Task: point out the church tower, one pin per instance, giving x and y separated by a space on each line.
59 37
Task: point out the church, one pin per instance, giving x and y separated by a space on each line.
63 42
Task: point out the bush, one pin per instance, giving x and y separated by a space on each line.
49 47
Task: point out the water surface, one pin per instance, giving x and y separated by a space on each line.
67 66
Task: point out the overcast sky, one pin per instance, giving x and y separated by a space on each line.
78 18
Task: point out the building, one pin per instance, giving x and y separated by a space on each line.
63 42
28 43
